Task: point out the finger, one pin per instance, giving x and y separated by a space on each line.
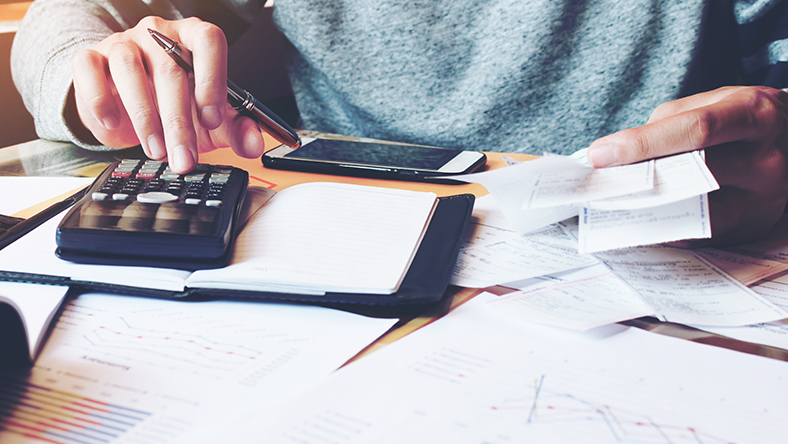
240 133
748 165
131 81
209 57
749 116
173 96
94 91
246 139
677 106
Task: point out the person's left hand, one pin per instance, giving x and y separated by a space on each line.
745 133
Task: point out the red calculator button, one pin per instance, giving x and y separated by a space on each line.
121 174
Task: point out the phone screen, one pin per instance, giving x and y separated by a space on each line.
400 156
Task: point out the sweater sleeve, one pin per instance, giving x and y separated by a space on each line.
49 36
763 41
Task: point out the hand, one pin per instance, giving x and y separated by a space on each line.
745 133
128 92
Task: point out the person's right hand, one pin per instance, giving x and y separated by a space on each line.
128 92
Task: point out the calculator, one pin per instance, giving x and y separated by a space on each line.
140 212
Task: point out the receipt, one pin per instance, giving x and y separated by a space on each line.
682 286
676 178
549 250
578 300
570 184
606 230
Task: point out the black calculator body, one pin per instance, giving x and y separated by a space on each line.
138 212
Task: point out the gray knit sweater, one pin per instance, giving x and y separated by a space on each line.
504 75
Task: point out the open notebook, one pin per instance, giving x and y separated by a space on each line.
326 242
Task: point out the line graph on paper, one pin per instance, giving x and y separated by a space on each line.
549 408
197 342
560 405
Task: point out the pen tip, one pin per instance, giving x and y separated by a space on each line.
163 41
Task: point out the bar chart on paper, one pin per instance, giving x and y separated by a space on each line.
126 370
56 416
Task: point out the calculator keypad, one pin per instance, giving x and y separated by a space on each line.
133 178
146 195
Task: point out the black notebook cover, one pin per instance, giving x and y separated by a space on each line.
425 282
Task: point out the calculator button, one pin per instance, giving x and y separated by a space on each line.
99 196
121 173
213 203
120 196
192 201
156 197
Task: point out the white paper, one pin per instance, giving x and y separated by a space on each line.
506 186
607 230
773 334
20 193
36 304
683 287
487 224
616 207
569 185
745 269
317 237
579 300
775 290
173 371
546 251
676 178
476 376
35 253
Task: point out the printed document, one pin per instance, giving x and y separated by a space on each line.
682 286
136 370
652 202
476 376
579 300
549 250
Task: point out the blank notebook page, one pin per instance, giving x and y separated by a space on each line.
327 237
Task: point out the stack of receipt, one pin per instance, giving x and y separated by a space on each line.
603 266
647 203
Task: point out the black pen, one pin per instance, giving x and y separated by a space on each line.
39 218
237 97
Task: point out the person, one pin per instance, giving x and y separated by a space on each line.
502 75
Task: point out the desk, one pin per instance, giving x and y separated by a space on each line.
41 158
45 158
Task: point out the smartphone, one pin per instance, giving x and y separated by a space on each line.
378 160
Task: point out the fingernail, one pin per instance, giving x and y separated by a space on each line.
110 122
155 148
602 155
181 159
210 116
